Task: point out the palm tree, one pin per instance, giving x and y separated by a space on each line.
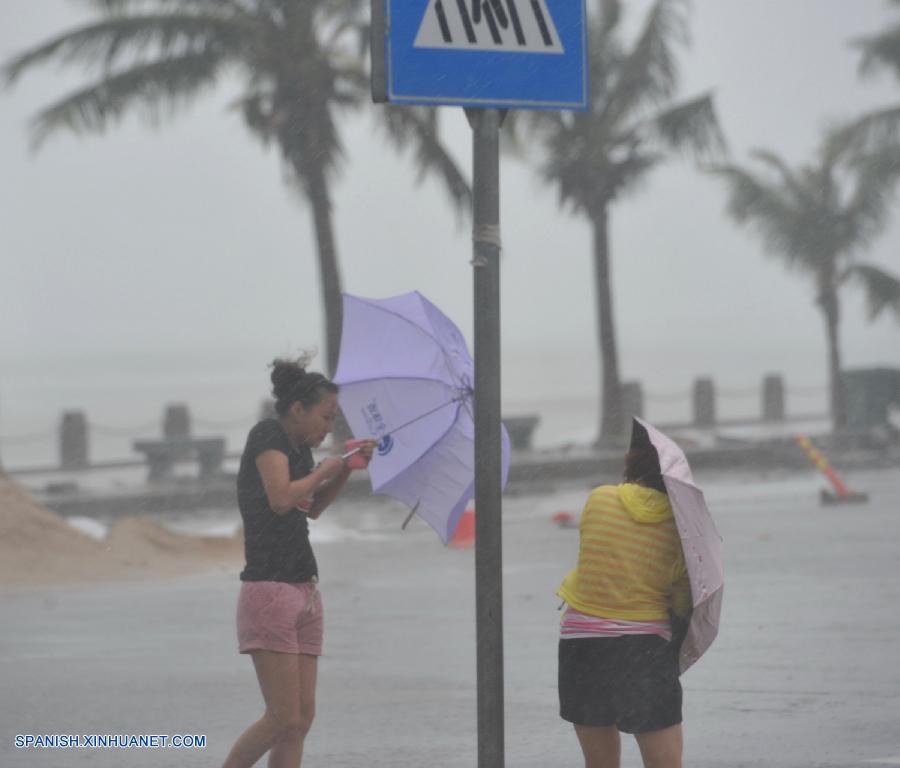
301 63
595 157
817 219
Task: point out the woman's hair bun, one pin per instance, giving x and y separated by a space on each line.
291 382
286 375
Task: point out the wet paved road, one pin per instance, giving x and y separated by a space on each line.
805 672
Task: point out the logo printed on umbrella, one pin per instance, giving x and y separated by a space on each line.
374 419
377 427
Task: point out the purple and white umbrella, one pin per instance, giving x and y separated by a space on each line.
700 541
406 380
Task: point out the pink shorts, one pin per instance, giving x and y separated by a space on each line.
279 616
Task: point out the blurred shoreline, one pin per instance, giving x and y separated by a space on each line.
114 491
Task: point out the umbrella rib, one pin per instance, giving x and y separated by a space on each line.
423 415
467 404
392 378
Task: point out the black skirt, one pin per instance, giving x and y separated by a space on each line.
630 682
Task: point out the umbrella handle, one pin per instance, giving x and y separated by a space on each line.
410 515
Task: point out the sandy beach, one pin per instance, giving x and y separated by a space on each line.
803 674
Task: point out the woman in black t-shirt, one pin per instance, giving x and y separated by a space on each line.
279 613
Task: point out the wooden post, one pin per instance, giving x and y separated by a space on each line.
632 400
176 422
773 398
73 441
704 402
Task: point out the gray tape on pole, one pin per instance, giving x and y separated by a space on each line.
487 234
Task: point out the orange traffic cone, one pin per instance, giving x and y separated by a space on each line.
464 535
842 494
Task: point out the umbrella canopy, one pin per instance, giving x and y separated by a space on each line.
700 541
407 380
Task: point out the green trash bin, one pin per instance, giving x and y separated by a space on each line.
870 393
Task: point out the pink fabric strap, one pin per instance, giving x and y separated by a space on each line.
580 625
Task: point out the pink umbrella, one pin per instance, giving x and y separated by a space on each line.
700 541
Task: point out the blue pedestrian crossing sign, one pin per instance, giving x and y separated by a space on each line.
504 54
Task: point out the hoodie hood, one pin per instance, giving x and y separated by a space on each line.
645 505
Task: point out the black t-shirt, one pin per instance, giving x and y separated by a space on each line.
277 547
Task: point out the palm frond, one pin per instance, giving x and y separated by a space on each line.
610 15
649 72
308 132
248 8
691 126
789 178
628 175
350 83
531 135
260 116
122 6
418 128
865 134
605 56
101 44
767 210
334 34
575 164
882 289
343 10
525 128
866 212
165 83
588 156
880 51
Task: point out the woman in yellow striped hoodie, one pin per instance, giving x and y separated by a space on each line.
618 662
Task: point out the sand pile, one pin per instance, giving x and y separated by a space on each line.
142 542
37 546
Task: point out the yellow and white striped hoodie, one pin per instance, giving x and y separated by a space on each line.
630 562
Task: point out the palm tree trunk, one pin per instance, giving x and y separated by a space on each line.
315 185
330 283
831 311
329 274
306 138
611 421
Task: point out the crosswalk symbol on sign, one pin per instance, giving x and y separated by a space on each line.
523 26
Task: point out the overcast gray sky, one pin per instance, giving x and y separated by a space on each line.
144 266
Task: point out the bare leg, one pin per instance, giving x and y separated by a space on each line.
602 746
661 749
279 680
288 752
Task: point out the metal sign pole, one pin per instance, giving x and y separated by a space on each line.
488 537
487 58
